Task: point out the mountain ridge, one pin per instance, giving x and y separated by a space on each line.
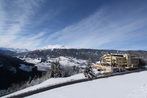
16 50
52 47
84 54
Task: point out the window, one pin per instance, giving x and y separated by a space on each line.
104 60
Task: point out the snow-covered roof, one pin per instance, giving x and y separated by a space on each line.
98 62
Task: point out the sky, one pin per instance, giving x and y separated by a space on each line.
95 24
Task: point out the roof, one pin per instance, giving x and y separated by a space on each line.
118 57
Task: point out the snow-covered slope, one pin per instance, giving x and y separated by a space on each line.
133 85
51 81
52 47
14 70
64 61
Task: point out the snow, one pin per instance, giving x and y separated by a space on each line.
132 85
100 62
64 61
31 60
69 61
43 66
51 81
26 68
52 47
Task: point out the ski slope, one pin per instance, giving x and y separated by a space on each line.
132 85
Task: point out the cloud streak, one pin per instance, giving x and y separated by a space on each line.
15 19
101 30
28 24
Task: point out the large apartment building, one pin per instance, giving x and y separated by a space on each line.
122 60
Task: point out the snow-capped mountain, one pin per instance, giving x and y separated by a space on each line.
16 50
52 47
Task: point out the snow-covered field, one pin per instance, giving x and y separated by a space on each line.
64 61
132 85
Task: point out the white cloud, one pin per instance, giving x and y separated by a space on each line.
14 22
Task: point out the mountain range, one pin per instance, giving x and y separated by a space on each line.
19 64
54 51
16 50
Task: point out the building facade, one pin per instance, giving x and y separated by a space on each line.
120 60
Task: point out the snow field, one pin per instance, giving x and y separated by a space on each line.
132 85
64 61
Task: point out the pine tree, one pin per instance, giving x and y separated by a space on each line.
88 72
55 69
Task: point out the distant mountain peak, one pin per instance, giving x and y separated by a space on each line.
17 50
52 47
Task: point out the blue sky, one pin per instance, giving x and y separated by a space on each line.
96 24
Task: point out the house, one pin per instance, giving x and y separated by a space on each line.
126 61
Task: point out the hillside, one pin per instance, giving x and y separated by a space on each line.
42 58
84 54
29 64
14 70
131 85
127 86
